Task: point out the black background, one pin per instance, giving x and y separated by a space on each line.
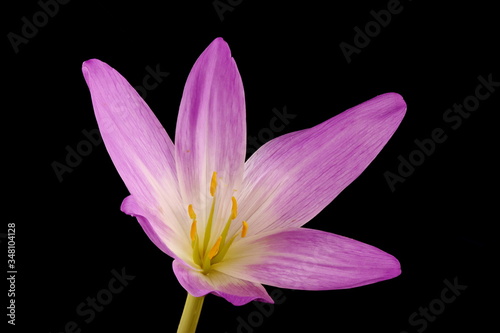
440 222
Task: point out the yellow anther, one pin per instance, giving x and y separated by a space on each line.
191 212
244 228
215 249
213 184
234 208
193 233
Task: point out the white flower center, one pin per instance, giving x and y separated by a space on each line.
202 255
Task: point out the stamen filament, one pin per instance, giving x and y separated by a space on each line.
196 252
208 228
225 231
225 246
234 213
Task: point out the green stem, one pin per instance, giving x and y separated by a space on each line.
190 314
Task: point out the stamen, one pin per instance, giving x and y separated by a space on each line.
223 250
234 208
215 249
191 212
196 253
208 228
193 233
213 183
202 256
244 229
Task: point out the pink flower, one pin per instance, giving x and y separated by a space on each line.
232 226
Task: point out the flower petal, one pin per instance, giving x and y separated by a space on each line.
157 230
236 291
292 178
211 130
308 259
139 146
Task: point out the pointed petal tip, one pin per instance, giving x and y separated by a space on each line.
388 268
218 47
398 102
88 64
393 95
388 109
91 66
219 41
395 268
398 98
85 68
95 68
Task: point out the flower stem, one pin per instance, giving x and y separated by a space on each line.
190 314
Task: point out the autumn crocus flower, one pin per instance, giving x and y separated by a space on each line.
233 226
